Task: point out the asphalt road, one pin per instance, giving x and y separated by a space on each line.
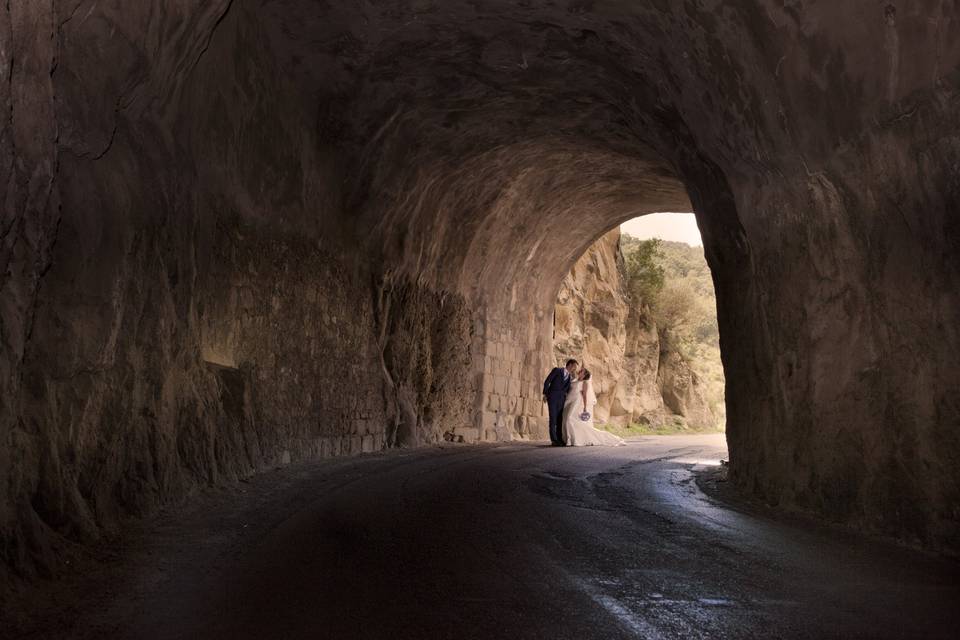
511 541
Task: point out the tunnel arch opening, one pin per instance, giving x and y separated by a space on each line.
503 228
639 309
518 305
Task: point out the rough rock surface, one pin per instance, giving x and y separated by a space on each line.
237 232
681 389
638 377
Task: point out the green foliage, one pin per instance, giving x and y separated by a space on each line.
644 275
676 306
673 280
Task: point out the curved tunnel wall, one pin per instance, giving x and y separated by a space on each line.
273 231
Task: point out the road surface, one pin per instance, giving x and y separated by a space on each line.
508 541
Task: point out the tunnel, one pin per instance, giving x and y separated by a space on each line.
239 234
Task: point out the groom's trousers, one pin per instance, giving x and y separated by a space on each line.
555 410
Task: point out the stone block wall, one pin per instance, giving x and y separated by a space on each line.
286 316
510 405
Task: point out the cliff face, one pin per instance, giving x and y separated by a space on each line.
639 375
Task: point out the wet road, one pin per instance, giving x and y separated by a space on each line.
512 541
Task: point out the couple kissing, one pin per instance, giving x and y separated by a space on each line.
568 392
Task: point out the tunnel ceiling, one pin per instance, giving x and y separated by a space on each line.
476 74
590 112
624 75
496 116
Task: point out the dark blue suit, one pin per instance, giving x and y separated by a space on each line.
555 388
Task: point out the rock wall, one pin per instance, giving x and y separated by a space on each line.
681 388
638 377
183 303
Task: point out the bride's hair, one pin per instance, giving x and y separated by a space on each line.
586 374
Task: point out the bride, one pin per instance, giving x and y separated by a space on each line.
581 433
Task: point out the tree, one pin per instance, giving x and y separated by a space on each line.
674 307
674 281
644 275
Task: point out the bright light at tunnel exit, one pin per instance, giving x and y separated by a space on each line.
676 227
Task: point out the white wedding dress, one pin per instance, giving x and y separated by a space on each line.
580 433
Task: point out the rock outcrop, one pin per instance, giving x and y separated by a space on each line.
236 233
680 387
638 377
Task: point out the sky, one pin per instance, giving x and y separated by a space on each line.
679 227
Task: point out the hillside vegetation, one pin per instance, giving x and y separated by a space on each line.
674 281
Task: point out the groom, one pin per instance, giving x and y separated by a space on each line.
555 389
